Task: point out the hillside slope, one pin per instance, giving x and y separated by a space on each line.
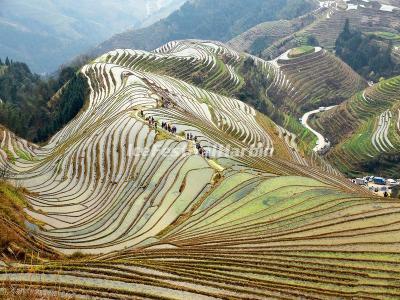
311 80
256 39
166 218
206 19
323 25
16 241
366 129
367 17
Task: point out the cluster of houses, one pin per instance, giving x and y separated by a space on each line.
376 180
380 185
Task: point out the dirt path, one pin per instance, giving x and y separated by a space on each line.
321 143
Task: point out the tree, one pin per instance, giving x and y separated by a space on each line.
346 28
25 97
312 41
390 47
365 53
7 61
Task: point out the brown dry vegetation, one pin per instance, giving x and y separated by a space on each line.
15 241
12 204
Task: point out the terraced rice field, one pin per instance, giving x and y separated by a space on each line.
370 118
252 237
367 19
326 23
264 35
380 139
299 51
107 180
294 38
161 219
312 80
386 35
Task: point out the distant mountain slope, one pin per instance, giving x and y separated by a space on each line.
321 26
372 56
48 33
261 36
367 17
329 21
207 19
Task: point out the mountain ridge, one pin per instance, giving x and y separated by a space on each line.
206 20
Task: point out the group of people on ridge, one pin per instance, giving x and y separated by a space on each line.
199 148
164 125
168 127
172 129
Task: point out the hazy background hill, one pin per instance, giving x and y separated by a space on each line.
206 19
47 33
